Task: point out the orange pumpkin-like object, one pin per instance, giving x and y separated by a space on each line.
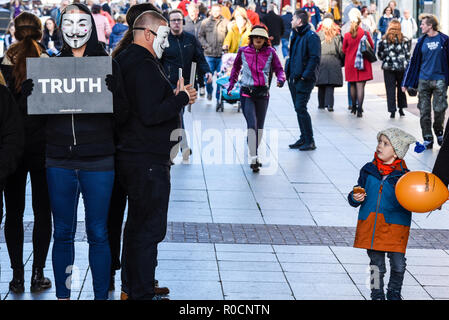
421 191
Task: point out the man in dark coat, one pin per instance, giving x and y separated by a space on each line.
287 20
275 26
144 148
301 71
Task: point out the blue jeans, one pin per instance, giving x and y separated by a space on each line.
214 65
284 47
64 186
378 270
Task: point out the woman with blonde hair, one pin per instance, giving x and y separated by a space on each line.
239 30
356 77
394 52
28 34
330 75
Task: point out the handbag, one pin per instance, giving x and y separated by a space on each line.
255 92
367 51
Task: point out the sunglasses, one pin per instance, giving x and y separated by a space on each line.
142 28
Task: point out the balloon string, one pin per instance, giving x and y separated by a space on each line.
429 214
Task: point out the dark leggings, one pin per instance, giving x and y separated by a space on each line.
254 110
358 93
15 206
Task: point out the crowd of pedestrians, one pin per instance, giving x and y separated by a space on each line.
107 157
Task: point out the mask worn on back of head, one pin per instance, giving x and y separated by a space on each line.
160 43
76 29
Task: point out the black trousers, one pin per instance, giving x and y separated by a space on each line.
326 96
395 96
115 222
15 206
148 188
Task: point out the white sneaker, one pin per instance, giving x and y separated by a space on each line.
202 91
186 154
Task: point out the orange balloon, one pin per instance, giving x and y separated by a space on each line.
421 191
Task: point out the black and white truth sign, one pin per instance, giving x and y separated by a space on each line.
69 85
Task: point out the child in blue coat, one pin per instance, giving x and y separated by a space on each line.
383 224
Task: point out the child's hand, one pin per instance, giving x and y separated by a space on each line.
360 197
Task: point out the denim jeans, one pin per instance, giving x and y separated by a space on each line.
378 270
300 92
214 65
65 186
284 43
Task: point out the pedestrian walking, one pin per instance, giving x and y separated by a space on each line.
357 75
396 13
385 20
80 159
409 27
333 9
395 56
428 73
16 8
275 26
383 224
314 11
330 74
287 21
101 24
238 31
349 7
373 14
256 61
301 72
368 20
119 196
52 37
252 15
144 162
211 36
9 36
12 137
183 49
28 34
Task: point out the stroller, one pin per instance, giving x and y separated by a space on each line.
227 61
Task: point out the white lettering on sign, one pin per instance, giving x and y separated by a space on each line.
70 85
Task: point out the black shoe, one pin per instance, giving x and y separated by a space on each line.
401 112
354 109
321 107
17 284
254 167
440 140
428 143
330 108
297 144
359 114
377 294
38 281
308 146
393 295
392 114
209 96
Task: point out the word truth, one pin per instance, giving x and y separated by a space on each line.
72 85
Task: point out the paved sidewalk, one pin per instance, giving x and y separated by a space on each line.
285 233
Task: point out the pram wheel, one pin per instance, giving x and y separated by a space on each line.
239 106
219 107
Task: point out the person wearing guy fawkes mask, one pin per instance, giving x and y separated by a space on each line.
80 158
145 144
183 49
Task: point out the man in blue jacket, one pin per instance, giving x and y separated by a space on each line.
314 11
428 72
301 71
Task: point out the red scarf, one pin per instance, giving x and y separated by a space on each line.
386 169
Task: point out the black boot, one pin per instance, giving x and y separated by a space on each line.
297 144
393 295
38 281
359 113
354 110
392 114
17 283
401 112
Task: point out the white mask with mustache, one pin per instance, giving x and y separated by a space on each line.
76 29
160 43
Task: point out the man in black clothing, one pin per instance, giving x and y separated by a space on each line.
275 26
12 138
183 50
144 147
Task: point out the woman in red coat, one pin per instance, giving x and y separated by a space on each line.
356 78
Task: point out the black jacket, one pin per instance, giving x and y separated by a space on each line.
57 39
12 137
83 136
149 134
287 20
183 50
34 125
275 26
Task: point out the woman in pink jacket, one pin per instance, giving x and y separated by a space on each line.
101 22
257 61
